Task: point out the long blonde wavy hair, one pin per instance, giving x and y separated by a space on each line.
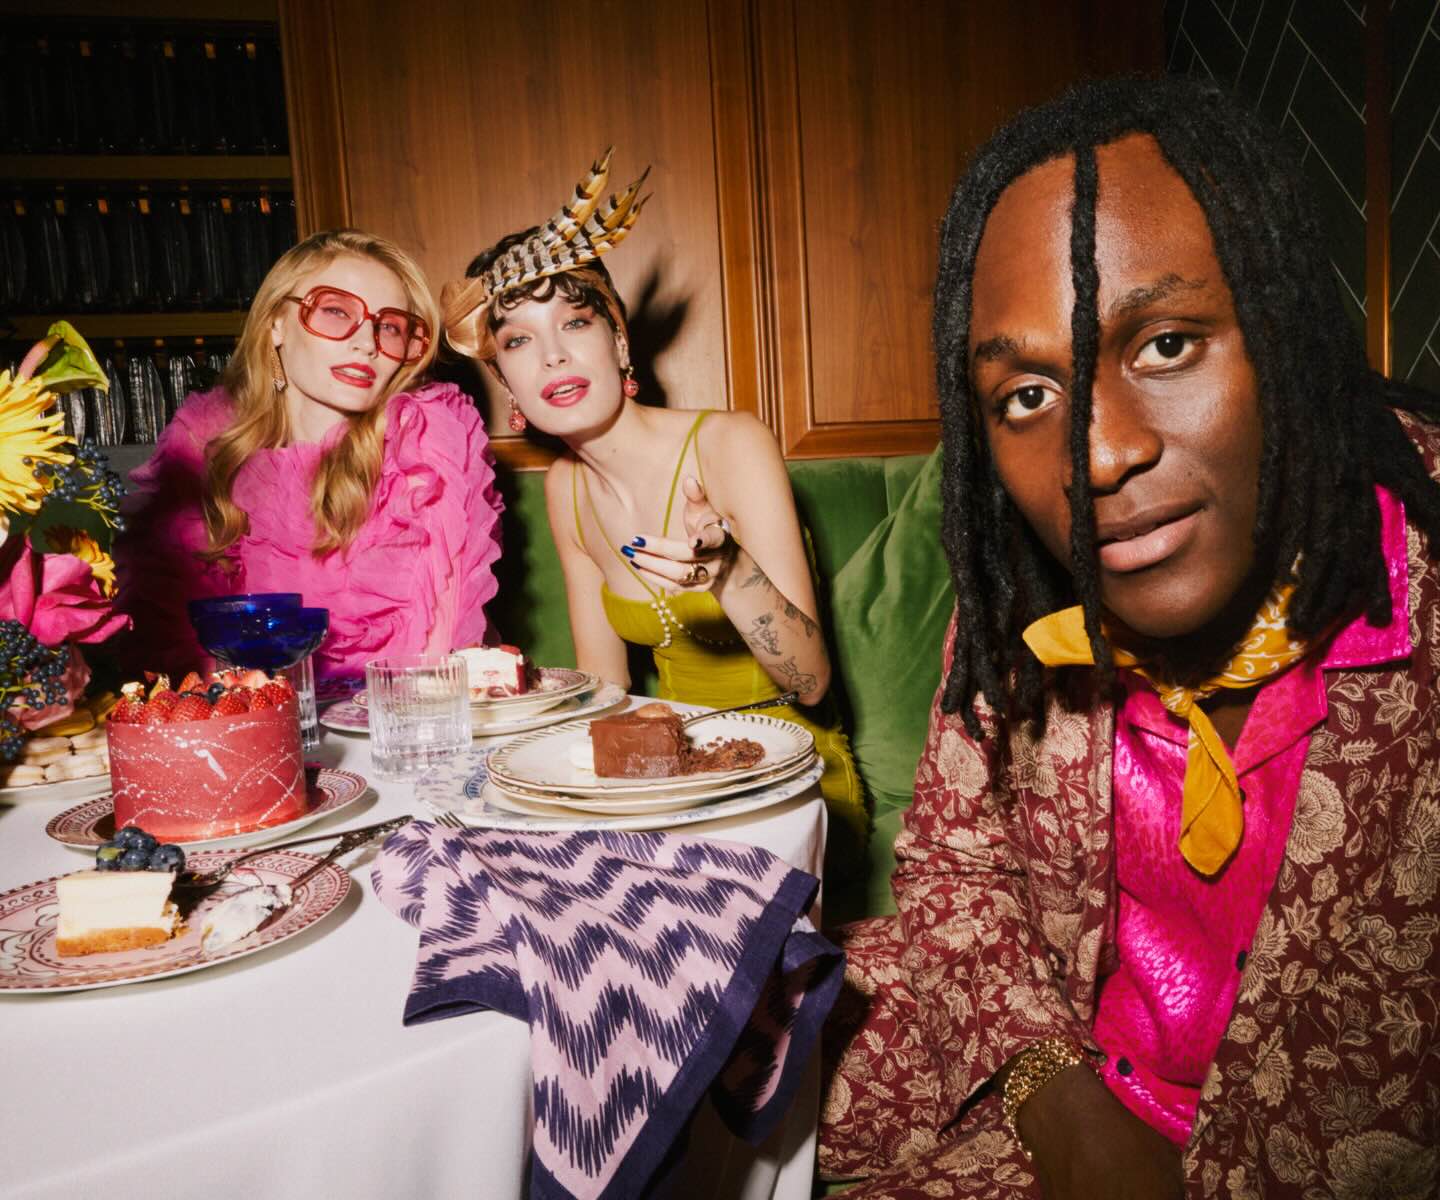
344 483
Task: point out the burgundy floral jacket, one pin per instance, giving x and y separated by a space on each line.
1327 1082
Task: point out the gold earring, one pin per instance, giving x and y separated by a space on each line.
277 371
517 418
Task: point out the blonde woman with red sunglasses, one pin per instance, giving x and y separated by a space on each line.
322 465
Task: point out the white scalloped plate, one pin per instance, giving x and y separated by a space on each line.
463 787
350 717
541 762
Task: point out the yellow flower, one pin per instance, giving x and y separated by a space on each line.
62 540
28 437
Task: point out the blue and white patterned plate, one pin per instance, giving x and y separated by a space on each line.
460 786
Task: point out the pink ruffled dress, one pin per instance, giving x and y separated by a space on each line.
415 579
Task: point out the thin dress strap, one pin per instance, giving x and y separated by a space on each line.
575 504
679 463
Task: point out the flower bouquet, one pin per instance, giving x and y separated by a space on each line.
59 511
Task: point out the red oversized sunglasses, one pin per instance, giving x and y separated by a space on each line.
335 314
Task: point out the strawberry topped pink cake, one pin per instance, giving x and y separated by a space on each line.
209 759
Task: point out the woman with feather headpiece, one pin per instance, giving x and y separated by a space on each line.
676 530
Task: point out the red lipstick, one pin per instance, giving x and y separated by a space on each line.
357 375
571 390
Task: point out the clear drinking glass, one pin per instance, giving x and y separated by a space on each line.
419 708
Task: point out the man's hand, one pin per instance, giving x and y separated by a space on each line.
1088 1146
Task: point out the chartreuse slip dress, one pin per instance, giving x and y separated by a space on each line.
701 658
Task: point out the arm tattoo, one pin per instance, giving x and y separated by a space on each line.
799 681
764 634
795 614
758 578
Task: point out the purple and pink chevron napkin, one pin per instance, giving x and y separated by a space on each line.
650 968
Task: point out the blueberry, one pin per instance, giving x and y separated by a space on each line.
167 858
214 692
134 860
145 843
129 837
107 858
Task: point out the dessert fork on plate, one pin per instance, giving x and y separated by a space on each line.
774 702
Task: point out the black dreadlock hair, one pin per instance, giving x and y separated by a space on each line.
1329 432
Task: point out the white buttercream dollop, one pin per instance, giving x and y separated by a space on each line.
240 915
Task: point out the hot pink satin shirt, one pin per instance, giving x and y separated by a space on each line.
1183 938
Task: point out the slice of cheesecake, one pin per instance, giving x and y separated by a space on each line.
102 911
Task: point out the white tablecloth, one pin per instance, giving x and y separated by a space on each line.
288 1073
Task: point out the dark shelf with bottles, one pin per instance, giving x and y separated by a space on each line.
97 168
29 327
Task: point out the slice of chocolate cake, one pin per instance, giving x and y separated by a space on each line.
648 743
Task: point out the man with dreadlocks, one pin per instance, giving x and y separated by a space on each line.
1167 892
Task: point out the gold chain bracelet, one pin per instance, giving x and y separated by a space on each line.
1032 1069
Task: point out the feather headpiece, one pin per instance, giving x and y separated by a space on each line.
585 228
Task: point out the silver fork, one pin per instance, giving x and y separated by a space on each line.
775 702
450 821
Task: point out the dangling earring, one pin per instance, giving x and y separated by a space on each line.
630 386
277 371
517 418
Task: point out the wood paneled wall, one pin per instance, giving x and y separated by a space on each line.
802 154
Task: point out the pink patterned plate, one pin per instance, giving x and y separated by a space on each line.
92 824
28 915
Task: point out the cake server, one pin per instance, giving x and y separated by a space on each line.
251 909
192 882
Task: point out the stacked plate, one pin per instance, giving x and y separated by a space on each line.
534 781
559 694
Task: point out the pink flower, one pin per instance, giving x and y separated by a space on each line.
55 596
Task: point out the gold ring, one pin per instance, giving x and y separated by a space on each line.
698 573
721 524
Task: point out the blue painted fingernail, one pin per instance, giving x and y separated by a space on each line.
637 540
627 552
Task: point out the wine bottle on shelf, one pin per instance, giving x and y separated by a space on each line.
272 96
212 251
146 395
243 119
251 245
216 361
170 249
160 75
29 123
178 371
115 70
130 251
110 422
12 257
45 254
74 407
282 222
201 83
88 251
73 87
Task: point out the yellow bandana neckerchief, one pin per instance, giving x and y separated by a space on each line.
1211 819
